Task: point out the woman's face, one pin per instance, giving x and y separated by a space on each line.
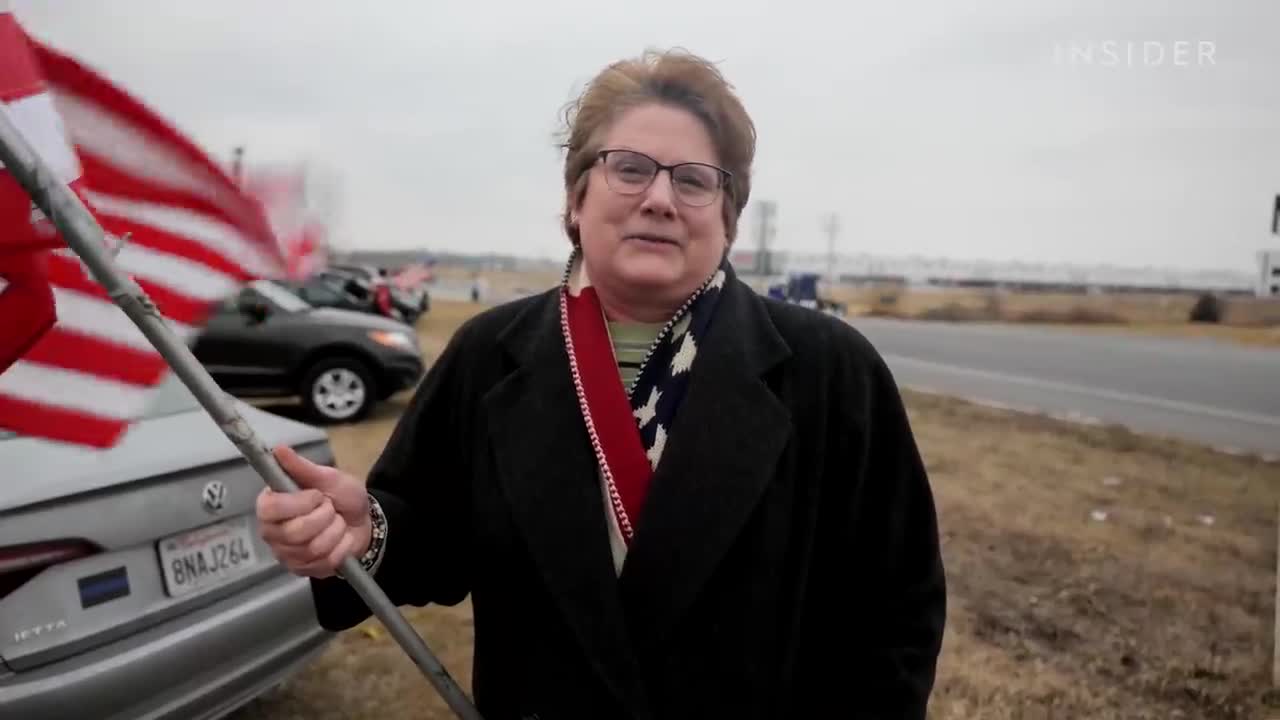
661 241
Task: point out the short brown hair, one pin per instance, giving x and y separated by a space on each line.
677 78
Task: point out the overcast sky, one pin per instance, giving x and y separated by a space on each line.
978 129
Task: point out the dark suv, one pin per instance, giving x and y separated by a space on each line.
265 341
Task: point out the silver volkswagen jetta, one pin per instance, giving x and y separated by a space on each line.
133 582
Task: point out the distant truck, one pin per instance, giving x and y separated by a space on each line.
802 289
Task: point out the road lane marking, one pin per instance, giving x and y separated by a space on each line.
1100 393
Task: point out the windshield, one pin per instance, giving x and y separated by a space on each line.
281 296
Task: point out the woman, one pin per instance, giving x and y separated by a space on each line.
667 496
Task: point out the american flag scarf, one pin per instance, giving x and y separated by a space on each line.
628 426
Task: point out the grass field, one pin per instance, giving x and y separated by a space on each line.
1093 574
1249 321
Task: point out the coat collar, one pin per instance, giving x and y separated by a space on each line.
703 491
721 452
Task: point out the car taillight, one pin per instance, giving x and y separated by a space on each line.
20 563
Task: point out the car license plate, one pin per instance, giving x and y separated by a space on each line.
207 556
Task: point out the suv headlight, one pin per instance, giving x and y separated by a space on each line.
402 341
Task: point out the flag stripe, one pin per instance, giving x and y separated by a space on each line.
222 240
145 238
134 150
112 124
126 183
69 274
27 417
102 319
37 119
59 348
180 275
21 72
73 390
141 237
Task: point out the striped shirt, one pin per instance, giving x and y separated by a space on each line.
631 342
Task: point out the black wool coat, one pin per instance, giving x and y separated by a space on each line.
786 563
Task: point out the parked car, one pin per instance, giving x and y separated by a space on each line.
265 341
397 300
357 291
323 290
414 299
414 280
802 289
133 583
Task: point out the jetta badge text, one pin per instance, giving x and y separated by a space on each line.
214 496
35 632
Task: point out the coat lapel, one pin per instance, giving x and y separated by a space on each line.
549 476
721 452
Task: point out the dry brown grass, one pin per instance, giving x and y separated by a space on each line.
1261 337
1151 612
1148 612
1249 321
503 283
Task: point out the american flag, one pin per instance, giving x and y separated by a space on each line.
282 192
188 236
26 300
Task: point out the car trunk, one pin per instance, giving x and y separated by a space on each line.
96 545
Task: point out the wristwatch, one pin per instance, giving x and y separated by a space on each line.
372 557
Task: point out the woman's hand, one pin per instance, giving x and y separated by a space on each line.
311 531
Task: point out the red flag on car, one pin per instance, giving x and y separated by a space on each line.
186 234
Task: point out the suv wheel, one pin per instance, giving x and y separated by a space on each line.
338 390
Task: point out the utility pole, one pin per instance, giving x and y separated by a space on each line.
1269 286
764 234
237 164
831 225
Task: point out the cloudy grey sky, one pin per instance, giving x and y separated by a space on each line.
999 129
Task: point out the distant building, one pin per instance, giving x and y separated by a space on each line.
943 272
1269 273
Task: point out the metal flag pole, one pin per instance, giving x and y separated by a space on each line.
86 237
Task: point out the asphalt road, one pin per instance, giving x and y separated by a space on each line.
1223 395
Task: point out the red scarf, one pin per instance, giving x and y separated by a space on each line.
606 408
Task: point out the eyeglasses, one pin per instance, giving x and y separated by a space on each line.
628 172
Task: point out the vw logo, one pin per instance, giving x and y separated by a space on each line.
214 496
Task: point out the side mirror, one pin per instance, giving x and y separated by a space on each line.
255 310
